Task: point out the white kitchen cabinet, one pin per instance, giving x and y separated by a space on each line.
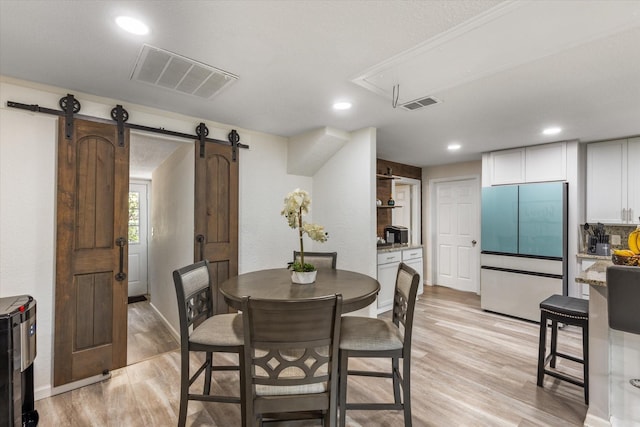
388 262
413 258
585 262
613 196
507 166
538 163
546 162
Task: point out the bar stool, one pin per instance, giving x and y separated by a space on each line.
569 311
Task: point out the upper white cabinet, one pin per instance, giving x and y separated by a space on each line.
538 163
613 195
507 166
546 163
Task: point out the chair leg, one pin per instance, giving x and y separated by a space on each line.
406 390
395 372
585 358
542 347
184 389
207 374
554 342
244 415
344 366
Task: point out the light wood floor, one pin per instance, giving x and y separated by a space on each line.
470 368
147 334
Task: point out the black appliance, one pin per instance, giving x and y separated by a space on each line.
17 352
396 234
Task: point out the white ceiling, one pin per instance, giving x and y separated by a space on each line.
503 70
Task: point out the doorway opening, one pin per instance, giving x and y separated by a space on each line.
407 213
148 332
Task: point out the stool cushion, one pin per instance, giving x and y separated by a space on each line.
567 306
370 334
220 329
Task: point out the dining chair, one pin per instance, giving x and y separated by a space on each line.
291 359
202 330
321 260
382 338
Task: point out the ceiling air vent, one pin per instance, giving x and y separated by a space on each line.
420 103
160 67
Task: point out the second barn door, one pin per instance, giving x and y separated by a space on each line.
216 213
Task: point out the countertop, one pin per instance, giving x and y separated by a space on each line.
595 275
396 247
583 255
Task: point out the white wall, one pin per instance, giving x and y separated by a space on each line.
28 191
344 203
27 219
172 224
265 239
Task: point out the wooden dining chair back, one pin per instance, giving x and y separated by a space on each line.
382 338
291 358
321 260
203 331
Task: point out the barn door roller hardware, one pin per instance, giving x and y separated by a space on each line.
71 107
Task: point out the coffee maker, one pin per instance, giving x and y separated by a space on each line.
396 234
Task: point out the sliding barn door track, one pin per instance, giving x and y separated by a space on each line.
70 107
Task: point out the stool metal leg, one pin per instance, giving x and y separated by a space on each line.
585 360
542 347
554 342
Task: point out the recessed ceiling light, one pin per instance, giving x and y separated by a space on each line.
453 147
552 131
132 25
342 105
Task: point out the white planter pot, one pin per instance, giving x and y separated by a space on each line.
303 277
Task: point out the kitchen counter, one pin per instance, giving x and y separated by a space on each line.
613 357
593 256
396 247
595 275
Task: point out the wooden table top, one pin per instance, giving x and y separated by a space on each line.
358 290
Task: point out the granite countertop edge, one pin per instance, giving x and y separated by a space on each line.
595 275
583 255
395 247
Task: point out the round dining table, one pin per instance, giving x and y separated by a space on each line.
357 290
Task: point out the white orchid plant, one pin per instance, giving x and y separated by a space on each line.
297 204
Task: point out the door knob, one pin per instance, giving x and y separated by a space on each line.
473 242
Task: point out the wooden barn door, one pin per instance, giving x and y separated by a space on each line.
91 252
216 214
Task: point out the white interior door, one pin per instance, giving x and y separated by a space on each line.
402 212
138 225
406 193
457 234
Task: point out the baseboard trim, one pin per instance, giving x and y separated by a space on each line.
594 421
175 333
48 391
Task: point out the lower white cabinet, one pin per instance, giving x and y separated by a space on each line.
388 262
413 258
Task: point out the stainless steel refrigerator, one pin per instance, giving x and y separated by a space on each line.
524 247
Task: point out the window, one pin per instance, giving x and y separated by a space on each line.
134 217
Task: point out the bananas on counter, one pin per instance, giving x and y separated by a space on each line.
623 252
634 242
